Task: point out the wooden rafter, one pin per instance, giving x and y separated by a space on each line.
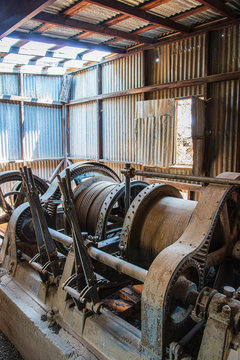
66 42
90 28
220 7
190 12
140 14
13 16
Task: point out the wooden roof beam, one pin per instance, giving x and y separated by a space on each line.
66 42
220 7
140 14
13 16
90 28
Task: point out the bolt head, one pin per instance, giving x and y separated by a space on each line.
229 291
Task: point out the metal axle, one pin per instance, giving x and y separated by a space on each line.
115 263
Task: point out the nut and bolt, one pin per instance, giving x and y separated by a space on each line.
229 291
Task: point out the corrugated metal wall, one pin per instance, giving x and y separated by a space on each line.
41 86
83 131
84 83
225 50
32 130
177 61
122 74
10 146
42 132
9 84
223 117
118 128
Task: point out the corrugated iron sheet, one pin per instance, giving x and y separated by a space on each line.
154 132
84 83
177 61
9 84
95 14
130 24
43 169
177 93
223 117
42 132
59 6
122 74
174 7
118 128
63 31
40 86
10 141
225 54
200 18
83 131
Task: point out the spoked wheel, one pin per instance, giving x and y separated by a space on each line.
12 194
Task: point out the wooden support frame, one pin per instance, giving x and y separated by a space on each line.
14 15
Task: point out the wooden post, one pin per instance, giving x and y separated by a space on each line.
99 113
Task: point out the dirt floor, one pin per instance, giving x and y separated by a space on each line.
7 350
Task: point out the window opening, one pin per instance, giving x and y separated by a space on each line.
183 138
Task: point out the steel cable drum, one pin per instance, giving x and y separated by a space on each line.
100 204
156 219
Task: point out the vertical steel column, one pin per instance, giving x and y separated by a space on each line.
127 186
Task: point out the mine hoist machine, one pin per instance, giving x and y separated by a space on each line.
95 268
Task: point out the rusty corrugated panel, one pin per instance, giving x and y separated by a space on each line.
59 6
10 141
122 74
180 60
84 83
174 7
42 132
83 131
9 84
118 128
225 52
41 86
154 132
177 93
224 125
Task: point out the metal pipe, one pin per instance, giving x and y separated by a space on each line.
107 259
203 179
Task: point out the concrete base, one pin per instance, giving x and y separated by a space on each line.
20 321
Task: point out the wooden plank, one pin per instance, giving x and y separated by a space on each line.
66 42
90 28
75 9
220 7
152 4
14 15
140 14
178 84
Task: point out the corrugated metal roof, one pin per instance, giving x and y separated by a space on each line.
130 24
30 25
124 43
155 33
200 18
174 7
95 14
59 6
97 38
63 32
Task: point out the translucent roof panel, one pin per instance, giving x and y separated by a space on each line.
17 59
48 61
74 64
56 70
35 48
95 55
6 43
31 69
68 52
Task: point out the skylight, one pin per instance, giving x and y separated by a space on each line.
17 59
68 52
95 55
6 43
74 64
35 48
48 61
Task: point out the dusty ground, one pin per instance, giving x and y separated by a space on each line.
7 350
